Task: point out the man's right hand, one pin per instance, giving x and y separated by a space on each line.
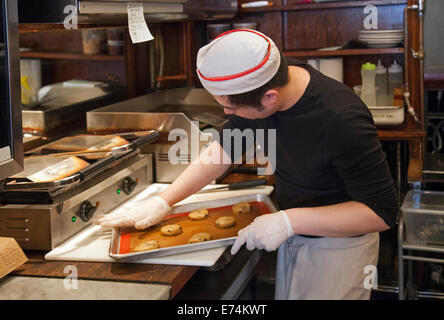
140 214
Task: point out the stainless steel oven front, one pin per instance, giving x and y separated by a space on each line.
11 136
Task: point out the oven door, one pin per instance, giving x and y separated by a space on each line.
11 136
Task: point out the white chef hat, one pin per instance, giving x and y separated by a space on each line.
237 61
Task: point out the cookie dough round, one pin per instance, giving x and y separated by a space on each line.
171 230
225 222
147 245
241 208
198 214
200 237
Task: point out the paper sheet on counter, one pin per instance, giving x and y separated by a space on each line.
92 244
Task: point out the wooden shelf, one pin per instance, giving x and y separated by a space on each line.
401 134
434 81
50 27
70 56
345 52
323 5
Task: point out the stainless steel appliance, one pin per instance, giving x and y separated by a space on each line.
164 111
11 144
65 107
42 215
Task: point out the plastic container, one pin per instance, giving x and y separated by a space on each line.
384 115
381 83
368 90
245 25
215 29
424 217
94 41
115 41
31 80
395 79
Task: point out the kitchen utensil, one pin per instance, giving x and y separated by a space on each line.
238 185
246 170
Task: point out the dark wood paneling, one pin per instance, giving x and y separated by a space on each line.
269 23
300 5
61 70
313 29
67 41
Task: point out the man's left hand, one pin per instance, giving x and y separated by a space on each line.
267 232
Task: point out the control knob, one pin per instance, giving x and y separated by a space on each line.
86 211
128 185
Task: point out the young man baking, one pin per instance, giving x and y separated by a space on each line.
333 184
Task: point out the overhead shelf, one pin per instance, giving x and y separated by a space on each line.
323 5
342 52
70 56
400 134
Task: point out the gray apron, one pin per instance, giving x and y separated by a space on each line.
327 268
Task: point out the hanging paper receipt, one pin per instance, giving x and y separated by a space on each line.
137 26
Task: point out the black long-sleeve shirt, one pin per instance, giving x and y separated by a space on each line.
327 150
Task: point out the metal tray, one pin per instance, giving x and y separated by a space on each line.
116 234
120 153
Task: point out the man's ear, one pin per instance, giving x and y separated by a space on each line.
270 97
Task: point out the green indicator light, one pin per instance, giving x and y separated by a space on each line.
73 219
118 191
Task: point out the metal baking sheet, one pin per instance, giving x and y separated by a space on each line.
120 246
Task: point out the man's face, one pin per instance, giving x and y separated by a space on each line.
244 111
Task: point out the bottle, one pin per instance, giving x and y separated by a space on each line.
368 91
395 79
381 85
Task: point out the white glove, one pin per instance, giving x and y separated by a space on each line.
267 232
140 214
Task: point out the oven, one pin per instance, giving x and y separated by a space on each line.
11 141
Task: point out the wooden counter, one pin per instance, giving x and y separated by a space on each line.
173 276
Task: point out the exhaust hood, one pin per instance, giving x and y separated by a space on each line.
115 11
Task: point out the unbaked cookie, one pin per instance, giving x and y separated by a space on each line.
241 208
171 230
147 245
200 237
225 222
198 214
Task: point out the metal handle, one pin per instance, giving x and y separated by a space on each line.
246 184
154 135
247 170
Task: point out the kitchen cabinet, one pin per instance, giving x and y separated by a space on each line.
61 51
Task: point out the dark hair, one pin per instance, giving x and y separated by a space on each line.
253 98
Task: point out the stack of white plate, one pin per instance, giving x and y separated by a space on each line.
381 38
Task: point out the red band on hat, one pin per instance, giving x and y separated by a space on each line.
243 73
